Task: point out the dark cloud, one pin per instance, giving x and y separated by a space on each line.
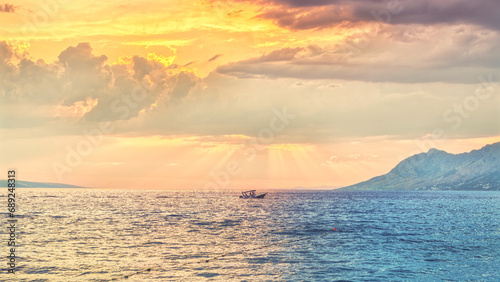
294 14
188 64
305 3
284 54
185 81
6 54
7 8
388 72
215 57
141 67
80 57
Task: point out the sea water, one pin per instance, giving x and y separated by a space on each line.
139 235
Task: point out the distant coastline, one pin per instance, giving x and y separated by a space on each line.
29 184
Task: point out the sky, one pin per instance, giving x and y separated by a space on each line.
238 94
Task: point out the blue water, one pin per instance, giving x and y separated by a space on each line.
101 235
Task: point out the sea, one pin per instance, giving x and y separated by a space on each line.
164 235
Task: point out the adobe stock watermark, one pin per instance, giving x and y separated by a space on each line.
221 175
93 138
40 18
455 116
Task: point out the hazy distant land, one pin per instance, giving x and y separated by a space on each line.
29 184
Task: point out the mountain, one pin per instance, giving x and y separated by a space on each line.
28 184
439 170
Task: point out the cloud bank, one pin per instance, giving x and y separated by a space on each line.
144 97
296 15
404 55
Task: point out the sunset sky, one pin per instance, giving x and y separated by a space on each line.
242 94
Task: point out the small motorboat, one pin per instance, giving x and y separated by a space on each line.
251 195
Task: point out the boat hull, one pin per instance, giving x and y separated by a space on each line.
261 196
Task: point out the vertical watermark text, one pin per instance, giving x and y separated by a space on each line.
11 207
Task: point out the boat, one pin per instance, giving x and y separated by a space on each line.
250 194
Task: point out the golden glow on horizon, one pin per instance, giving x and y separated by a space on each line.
156 162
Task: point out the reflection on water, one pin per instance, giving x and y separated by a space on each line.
100 235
